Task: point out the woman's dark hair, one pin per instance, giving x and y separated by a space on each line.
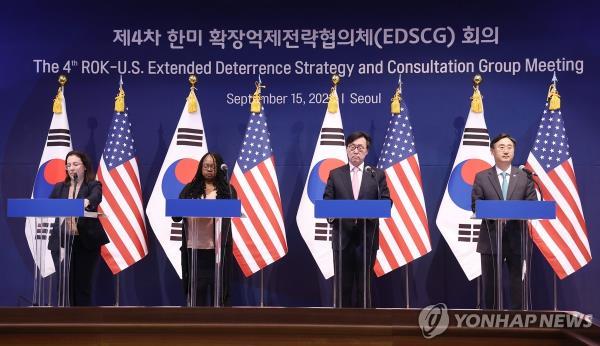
89 170
196 188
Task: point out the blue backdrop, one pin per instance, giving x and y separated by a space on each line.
438 102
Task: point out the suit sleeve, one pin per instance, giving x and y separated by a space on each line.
477 192
94 195
384 191
56 191
531 195
329 192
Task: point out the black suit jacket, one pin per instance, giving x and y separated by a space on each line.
339 186
91 233
487 187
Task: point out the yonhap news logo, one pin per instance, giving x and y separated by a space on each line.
435 320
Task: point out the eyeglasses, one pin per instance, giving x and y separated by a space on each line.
74 165
505 147
353 147
211 167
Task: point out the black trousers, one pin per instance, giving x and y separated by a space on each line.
352 282
81 272
201 273
488 276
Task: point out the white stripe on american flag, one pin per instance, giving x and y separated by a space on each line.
564 206
538 229
129 235
409 205
561 253
128 240
407 243
245 253
392 244
272 206
248 222
275 203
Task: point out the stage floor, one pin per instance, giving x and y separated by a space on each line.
168 326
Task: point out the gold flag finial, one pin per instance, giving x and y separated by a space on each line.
477 98
553 97
57 104
396 101
120 99
192 100
333 104
256 102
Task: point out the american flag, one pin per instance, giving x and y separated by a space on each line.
259 235
563 240
121 205
405 236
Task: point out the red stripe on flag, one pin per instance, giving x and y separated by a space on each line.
416 204
560 243
562 189
136 183
378 270
571 173
398 237
241 260
275 193
387 253
243 231
550 257
256 221
108 227
412 161
562 217
110 260
130 205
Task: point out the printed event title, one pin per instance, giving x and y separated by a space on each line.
314 38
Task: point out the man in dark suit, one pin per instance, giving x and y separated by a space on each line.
502 182
355 181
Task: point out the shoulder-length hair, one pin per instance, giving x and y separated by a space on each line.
87 164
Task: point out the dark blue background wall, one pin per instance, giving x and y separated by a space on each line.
438 103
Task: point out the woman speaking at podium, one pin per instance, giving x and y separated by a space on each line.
79 238
199 234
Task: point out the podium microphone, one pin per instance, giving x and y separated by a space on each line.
371 171
527 170
224 167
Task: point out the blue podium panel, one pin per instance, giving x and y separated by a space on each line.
515 210
44 207
353 209
203 207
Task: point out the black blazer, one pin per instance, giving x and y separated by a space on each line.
91 233
487 187
339 186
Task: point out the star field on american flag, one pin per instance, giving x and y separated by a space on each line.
256 146
119 146
551 146
399 142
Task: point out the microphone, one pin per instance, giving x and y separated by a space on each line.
371 171
528 171
224 167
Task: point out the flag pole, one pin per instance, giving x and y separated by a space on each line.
407 288
117 290
262 291
555 293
